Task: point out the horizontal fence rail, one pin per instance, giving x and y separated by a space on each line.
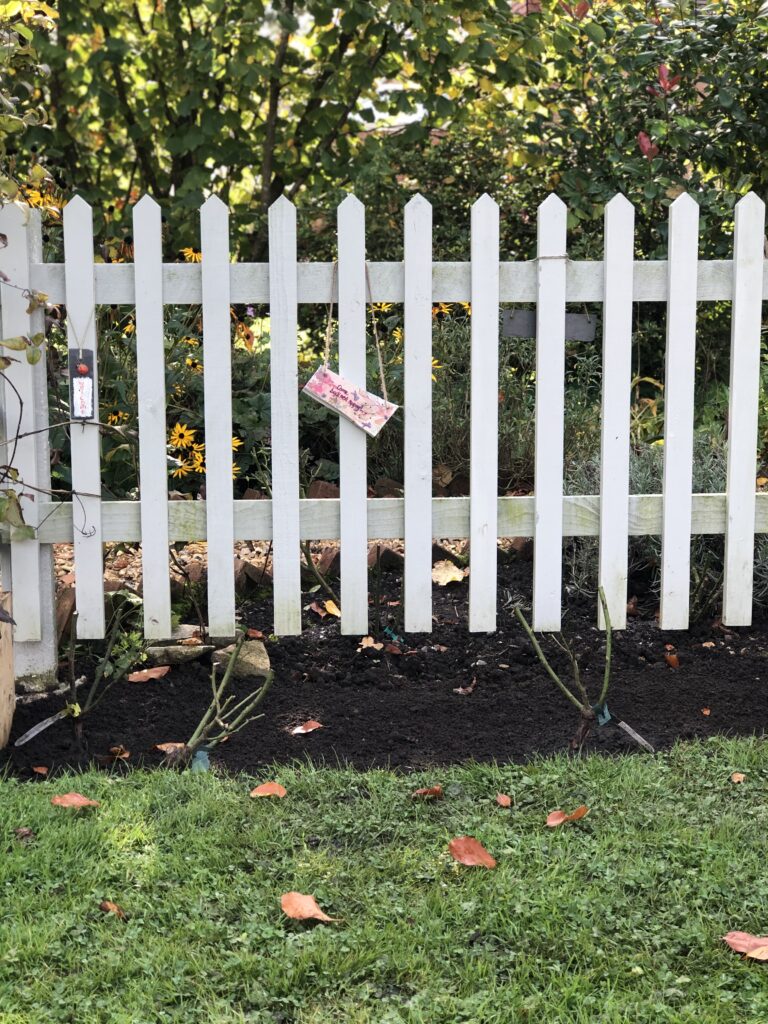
549 281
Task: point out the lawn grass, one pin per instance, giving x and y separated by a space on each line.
615 919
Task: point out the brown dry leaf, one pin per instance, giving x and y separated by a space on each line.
669 647
369 642
465 691
73 800
560 817
708 643
333 609
191 641
467 850
428 793
632 606
145 674
169 748
503 800
738 777
40 769
672 660
392 649
318 609
112 908
761 481
754 946
255 634
446 572
439 648
119 752
706 712
24 835
309 726
269 789
302 907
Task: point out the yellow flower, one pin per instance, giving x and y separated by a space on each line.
235 471
194 364
192 342
181 436
382 307
130 327
198 460
397 334
436 366
117 417
440 309
192 255
182 469
467 307
236 443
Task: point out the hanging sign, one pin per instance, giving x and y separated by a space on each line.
81 394
367 411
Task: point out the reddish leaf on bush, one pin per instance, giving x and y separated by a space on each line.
309 726
560 817
73 800
302 907
269 789
428 793
112 908
40 769
647 148
738 777
503 800
754 946
667 84
467 850
145 674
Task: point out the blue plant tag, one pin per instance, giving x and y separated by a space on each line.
604 716
201 761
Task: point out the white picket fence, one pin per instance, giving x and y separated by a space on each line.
550 280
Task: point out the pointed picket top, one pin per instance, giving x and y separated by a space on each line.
619 203
214 208
281 203
146 203
418 202
147 211
485 201
350 202
281 212
553 203
77 211
686 204
750 203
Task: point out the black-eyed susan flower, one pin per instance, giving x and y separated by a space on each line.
192 255
181 436
236 443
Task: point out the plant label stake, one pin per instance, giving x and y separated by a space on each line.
354 403
81 396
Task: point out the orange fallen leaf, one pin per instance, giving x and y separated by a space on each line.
738 777
333 609
145 674
761 481
560 817
318 609
40 769
392 649
632 606
669 647
112 908
269 789
369 642
467 850
428 793
706 712
169 748
754 946
255 634
503 800
120 753
708 643
309 726
73 800
191 641
302 907
672 660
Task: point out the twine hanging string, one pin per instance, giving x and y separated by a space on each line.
374 324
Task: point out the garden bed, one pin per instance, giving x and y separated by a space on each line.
379 708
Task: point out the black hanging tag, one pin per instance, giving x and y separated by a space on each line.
81 396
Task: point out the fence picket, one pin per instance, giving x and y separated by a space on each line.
550 398
679 378
85 440
22 567
150 375
484 415
217 392
617 383
743 400
352 443
283 327
417 584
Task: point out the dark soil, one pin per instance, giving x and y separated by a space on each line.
400 710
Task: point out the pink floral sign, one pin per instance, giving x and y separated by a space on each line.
367 411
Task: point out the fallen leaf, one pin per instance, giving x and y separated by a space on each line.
302 907
632 606
560 817
169 748
669 647
309 726
145 674
269 789
447 572
428 793
119 753
738 777
439 648
503 800
40 769
392 649
761 481
708 643
333 609
369 642
190 641
73 800
24 835
466 690
672 660
706 712
255 634
754 946
112 908
318 609
467 850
